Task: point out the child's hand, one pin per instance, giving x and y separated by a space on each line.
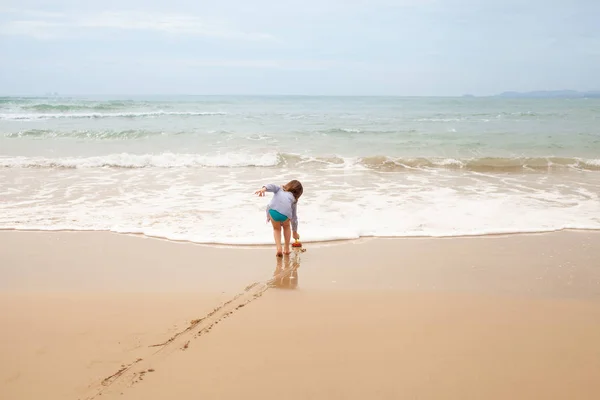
296 236
261 192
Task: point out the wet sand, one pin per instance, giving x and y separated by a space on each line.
500 317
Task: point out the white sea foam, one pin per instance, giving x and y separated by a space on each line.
270 159
261 137
132 114
449 162
163 160
218 206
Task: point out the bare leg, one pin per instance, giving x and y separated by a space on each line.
287 235
277 236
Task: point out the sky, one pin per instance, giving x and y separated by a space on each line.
304 47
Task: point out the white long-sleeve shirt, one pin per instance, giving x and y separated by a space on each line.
284 203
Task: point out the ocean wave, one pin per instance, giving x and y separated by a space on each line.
343 130
440 119
32 117
484 164
110 134
143 133
49 107
346 132
126 160
273 159
487 116
84 134
258 137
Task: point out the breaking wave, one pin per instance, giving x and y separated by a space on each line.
111 105
273 159
142 114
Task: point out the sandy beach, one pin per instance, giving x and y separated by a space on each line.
442 171
99 315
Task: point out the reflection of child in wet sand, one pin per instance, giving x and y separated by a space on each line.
286 272
281 211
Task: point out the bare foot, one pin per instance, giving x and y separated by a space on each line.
279 254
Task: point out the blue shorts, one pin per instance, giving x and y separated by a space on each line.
277 216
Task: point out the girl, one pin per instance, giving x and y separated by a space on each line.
282 210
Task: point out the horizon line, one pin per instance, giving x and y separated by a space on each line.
464 95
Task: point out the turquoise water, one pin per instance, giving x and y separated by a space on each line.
175 167
399 127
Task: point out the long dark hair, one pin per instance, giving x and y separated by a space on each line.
295 188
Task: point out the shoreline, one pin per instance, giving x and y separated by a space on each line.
319 243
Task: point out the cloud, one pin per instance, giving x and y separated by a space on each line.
41 30
331 47
208 63
257 64
52 25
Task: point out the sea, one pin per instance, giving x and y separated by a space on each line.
186 167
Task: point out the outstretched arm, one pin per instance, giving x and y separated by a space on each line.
272 188
267 188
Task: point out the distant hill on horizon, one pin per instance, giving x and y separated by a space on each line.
565 94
